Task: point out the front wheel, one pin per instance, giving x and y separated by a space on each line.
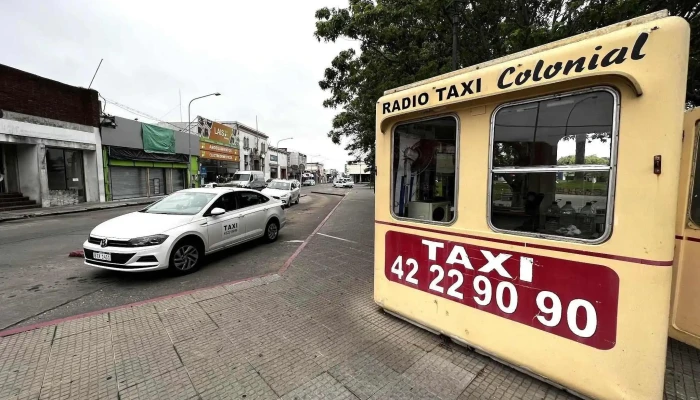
272 230
186 257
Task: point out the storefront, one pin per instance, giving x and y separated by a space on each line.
143 160
219 156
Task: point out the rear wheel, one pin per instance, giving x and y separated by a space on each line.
186 257
272 230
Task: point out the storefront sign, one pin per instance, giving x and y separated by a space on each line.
217 148
574 300
211 155
216 132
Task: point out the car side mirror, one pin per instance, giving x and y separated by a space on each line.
217 211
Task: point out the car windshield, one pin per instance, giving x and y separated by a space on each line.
279 185
241 177
181 203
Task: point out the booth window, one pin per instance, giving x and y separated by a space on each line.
424 170
551 169
695 199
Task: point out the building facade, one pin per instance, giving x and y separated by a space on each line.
297 165
143 160
278 161
317 170
49 142
358 171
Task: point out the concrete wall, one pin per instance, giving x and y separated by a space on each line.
128 134
28 160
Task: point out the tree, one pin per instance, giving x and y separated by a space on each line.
404 41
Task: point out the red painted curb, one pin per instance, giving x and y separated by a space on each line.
14 331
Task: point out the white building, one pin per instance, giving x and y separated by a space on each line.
50 145
297 165
278 161
358 171
319 173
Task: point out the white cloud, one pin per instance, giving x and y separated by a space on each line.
261 56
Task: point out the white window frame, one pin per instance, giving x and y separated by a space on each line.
612 168
391 172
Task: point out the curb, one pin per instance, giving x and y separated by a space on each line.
331 194
40 214
285 266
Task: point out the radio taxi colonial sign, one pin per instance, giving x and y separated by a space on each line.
574 300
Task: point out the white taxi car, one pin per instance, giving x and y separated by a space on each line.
288 192
179 230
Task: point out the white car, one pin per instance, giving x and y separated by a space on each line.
343 183
288 192
179 230
309 182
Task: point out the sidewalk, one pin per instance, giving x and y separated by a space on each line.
311 331
81 207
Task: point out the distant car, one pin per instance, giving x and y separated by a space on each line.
248 179
269 180
287 192
343 183
179 230
309 182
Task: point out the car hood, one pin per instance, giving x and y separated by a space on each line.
275 192
138 224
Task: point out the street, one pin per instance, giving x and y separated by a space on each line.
39 282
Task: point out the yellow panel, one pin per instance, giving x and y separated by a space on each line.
625 358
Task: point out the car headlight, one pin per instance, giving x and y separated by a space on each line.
284 196
152 240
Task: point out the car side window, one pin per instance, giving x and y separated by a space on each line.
227 201
248 199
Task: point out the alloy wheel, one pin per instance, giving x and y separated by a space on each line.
186 257
272 231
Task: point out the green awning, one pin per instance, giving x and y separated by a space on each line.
157 139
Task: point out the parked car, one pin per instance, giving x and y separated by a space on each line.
288 192
248 179
309 182
179 230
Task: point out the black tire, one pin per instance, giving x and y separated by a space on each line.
186 257
272 231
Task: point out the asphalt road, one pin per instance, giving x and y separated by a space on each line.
39 282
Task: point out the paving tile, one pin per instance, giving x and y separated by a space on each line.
439 376
261 348
322 387
364 375
420 337
215 345
249 386
23 361
137 365
84 388
132 312
228 302
405 390
384 320
91 366
206 294
395 353
187 322
334 349
206 374
289 371
146 326
82 342
81 325
241 286
238 320
172 385
174 302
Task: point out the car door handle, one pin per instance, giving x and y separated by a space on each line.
204 223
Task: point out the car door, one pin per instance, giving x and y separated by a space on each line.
253 210
296 191
228 228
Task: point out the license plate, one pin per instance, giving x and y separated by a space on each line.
102 256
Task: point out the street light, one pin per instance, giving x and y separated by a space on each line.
189 125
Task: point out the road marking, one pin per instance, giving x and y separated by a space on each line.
333 237
294 241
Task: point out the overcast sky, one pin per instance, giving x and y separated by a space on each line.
261 55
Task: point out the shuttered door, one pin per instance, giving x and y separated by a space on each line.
178 179
128 182
157 177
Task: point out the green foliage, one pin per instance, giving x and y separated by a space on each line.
595 160
403 41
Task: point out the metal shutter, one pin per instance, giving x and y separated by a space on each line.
178 177
128 182
157 181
